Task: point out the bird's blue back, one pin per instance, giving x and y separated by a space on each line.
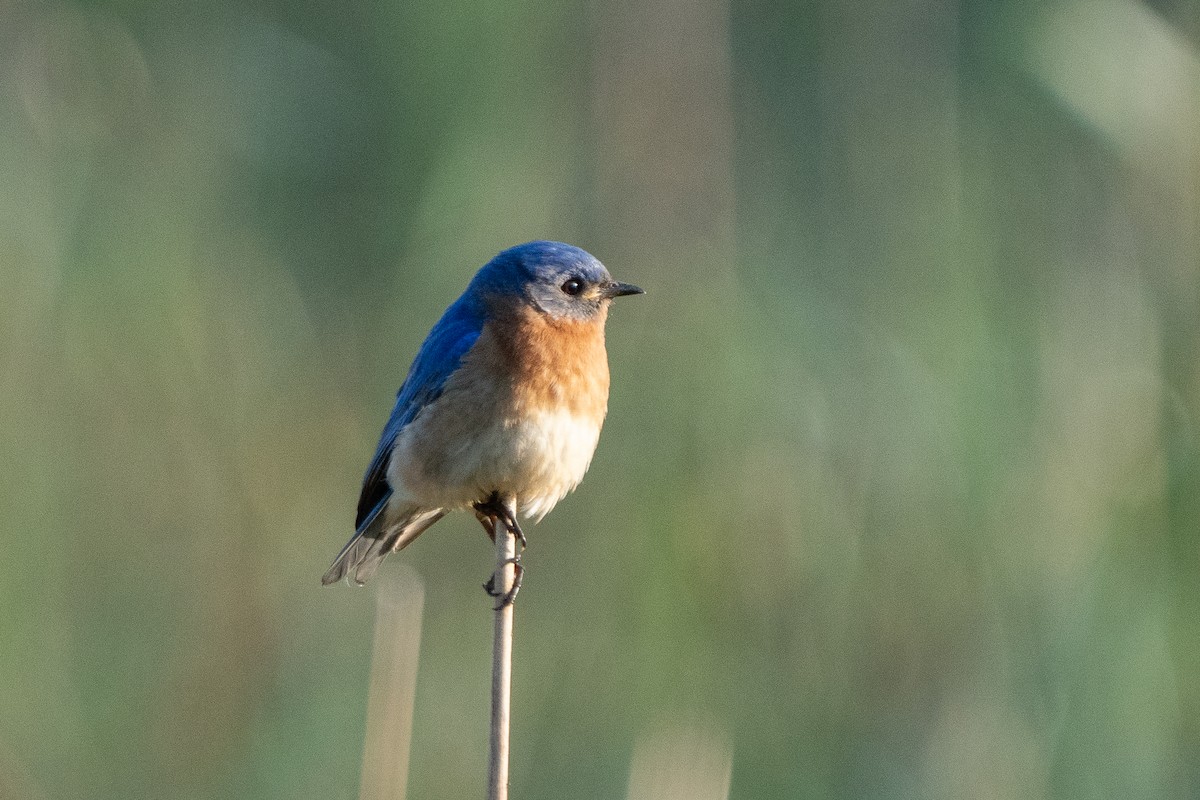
436 361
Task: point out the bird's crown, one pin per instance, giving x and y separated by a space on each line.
558 279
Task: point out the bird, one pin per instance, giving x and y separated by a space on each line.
501 410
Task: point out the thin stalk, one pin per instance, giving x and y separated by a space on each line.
399 605
506 551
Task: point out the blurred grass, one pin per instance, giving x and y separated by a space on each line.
899 493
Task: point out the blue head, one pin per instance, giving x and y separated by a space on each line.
555 278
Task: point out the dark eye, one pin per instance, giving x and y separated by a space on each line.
573 286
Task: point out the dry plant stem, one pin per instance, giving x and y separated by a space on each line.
399 602
506 551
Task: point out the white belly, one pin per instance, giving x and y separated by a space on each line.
537 460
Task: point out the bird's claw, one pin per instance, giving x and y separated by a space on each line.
493 509
490 512
506 598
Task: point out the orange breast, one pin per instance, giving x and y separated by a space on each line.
554 363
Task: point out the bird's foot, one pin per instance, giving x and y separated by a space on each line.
494 509
506 598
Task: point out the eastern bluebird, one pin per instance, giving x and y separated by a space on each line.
502 406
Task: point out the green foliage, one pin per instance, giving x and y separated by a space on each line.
898 493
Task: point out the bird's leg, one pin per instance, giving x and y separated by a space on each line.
493 509
488 523
490 512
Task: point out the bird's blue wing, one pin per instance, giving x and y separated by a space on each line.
453 335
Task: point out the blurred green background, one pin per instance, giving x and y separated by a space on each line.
899 493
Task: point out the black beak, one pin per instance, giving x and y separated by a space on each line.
620 289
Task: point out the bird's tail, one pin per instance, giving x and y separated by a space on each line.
366 550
